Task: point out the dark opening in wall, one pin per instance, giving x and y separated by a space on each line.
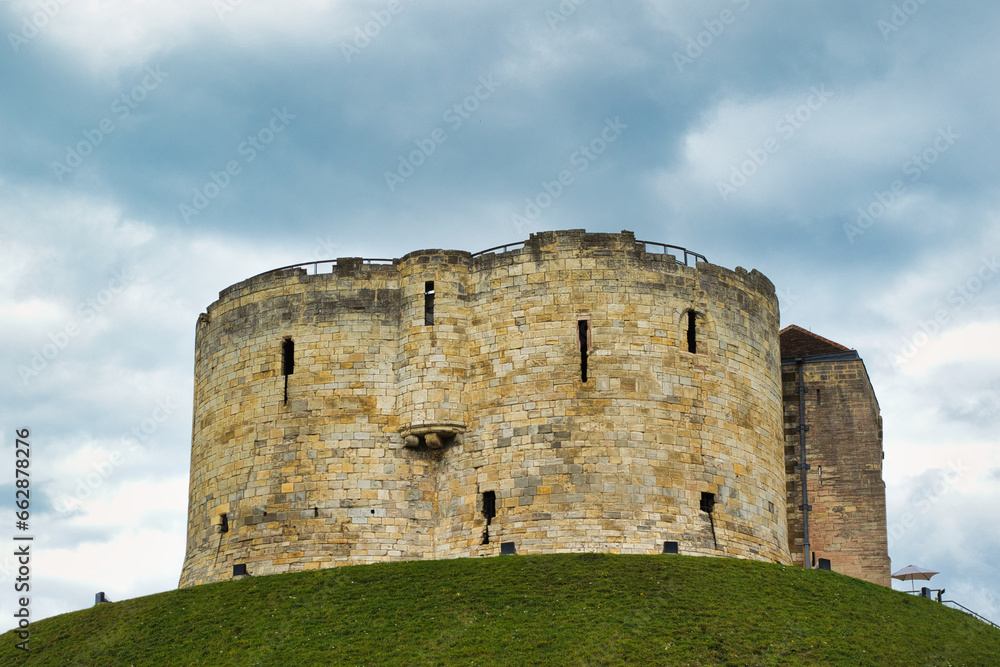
707 505
489 511
707 502
692 332
429 302
224 526
287 356
583 341
817 397
824 564
489 505
287 361
670 547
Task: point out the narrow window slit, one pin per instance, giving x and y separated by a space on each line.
489 511
489 505
429 302
583 329
287 361
692 332
287 356
224 527
708 505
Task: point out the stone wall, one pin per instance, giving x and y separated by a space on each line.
392 429
847 523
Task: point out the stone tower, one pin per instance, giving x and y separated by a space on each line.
844 487
574 392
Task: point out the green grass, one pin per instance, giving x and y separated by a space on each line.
574 609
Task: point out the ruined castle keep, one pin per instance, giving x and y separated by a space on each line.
574 392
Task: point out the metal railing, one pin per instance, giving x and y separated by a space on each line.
316 264
684 251
687 253
501 248
969 611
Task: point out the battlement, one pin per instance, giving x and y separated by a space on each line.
576 242
572 392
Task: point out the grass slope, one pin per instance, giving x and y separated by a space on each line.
573 609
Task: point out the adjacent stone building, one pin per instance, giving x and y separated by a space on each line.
574 392
843 440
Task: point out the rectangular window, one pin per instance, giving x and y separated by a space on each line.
707 502
224 526
429 302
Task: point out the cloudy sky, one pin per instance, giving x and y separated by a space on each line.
154 153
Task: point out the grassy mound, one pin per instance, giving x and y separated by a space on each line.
574 609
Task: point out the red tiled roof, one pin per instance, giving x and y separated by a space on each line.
797 342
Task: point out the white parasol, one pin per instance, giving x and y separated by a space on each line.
912 573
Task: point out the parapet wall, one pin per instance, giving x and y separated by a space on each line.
395 435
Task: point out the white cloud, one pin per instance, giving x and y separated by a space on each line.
972 343
138 561
109 35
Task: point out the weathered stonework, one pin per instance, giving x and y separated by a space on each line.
391 431
847 522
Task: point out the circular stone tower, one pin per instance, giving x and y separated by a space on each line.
570 393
